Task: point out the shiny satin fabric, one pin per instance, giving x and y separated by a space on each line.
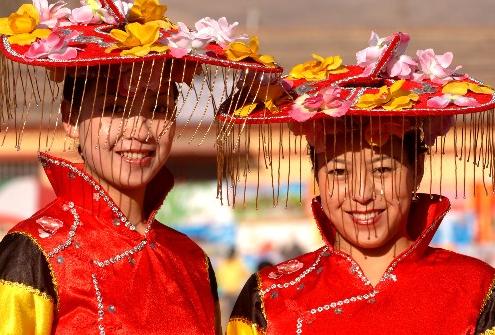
424 291
33 314
110 277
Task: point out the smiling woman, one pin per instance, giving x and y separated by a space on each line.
371 130
117 73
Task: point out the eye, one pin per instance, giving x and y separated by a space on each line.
382 170
337 172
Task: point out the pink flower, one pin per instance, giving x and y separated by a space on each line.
333 105
48 226
184 41
402 68
220 32
53 15
368 57
435 67
446 99
54 47
327 101
91 12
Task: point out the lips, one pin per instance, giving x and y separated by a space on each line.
137 157
365 217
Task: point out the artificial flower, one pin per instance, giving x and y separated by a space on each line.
238 51
327 101
184 41
368 57
21 26
55 47
435 67
138 39
218 31
454 92
246 110
402 67
53 15
146 11
91 12
318 68
389 97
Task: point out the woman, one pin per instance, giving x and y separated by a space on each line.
95 259
369 128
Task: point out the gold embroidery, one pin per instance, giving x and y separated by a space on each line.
26 288
33 312
488 296
52 273
262 302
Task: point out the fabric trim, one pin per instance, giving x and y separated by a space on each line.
52 273
488 296
242 326
24 310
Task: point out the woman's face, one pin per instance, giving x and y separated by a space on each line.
125 131
366 192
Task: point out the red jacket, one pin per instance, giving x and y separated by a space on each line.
106 277
425 290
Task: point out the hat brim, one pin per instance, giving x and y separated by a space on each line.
355 86
95 39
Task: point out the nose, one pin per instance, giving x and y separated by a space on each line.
362 187
137 127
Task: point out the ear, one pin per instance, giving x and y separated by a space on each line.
71 130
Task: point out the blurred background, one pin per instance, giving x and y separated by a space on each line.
242 239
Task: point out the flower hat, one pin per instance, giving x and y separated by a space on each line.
385 82
387 93
43 43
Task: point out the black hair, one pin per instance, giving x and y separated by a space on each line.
412 143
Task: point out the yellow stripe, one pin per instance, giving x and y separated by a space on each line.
52 273
489 332
239 326
24 310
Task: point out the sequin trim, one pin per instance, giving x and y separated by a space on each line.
72 232
298 278
96 187
101 307
335 306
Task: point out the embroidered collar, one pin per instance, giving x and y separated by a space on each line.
72 183
425 216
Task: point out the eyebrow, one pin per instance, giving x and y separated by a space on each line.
374 160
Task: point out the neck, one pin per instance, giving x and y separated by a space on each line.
374 262
130 202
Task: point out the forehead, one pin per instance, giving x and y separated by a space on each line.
353 144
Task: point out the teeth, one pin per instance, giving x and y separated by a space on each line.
133 155
364 216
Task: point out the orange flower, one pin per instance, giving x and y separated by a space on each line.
144 11
389 98
138 39
21 26
237 51
318 68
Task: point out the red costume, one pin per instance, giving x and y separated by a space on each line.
92 273
425 290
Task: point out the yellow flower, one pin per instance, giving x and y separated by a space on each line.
144 11
138 39
462 87
390 98
318 68
248 109
21 26
237 51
